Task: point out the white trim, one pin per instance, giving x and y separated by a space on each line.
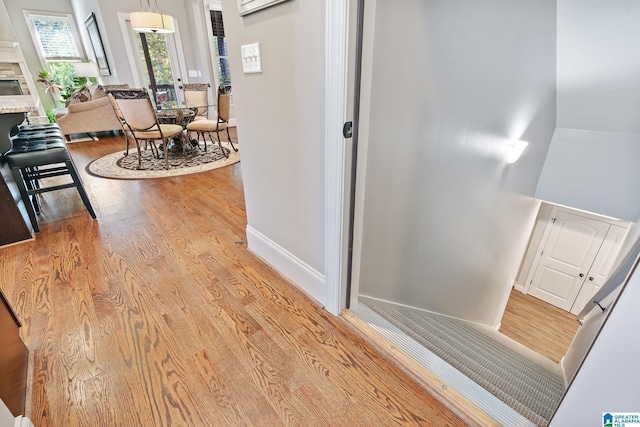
366 81
212 66
336 30
206 50
210 5
21 421
29 13
518 287
372 301
301 274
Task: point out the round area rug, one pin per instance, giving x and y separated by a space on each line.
119 166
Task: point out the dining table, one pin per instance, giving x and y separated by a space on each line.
182 116
179 116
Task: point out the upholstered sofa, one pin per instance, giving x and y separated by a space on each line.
89 111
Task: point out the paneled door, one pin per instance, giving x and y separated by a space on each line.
602 267
567 257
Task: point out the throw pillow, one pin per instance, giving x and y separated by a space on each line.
97 92
107 88
80 95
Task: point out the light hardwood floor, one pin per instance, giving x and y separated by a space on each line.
539 326
156 314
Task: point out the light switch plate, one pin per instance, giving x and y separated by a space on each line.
251 61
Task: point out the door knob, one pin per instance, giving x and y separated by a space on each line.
581 275
591 278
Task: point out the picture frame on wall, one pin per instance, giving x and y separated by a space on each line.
96 44
246 7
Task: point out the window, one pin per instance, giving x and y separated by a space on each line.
220 47
56 39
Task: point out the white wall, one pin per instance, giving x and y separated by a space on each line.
280 119
590 163
6 418
106 12
609 377
446 220
107 17
6 29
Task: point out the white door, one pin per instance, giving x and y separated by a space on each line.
602 267
571 248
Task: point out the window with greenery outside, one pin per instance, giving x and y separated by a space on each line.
59 46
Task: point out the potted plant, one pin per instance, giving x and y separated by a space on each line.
50 84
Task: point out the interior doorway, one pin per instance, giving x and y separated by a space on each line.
444 223
573 259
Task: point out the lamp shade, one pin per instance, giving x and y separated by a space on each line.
150 22
86 69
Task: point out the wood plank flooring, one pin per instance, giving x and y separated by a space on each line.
539 326
156 314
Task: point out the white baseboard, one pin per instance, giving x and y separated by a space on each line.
311 281
23 422
518 287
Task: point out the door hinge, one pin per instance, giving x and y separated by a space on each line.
347 129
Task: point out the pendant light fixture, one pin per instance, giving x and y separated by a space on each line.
148 21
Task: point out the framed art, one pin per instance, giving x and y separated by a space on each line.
248 6
96 43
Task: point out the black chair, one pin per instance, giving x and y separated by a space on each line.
39 152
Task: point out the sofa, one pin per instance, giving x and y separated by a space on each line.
89 110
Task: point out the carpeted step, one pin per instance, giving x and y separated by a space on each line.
520 383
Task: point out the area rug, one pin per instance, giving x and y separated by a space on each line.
119 166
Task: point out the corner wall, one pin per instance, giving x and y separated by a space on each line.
592 162
280 120
608 380
446 220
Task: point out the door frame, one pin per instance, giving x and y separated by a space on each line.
338 88
547 231
212 67
335 166
175 56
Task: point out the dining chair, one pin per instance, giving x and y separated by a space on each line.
204 128
140 118
128 135
197 95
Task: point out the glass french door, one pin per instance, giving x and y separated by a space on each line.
153 52
157 63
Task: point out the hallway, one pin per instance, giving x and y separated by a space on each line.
539 326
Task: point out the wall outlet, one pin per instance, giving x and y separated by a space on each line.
251 61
